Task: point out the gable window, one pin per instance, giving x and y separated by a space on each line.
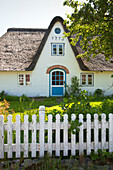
57 30
57 49
24 79
87 79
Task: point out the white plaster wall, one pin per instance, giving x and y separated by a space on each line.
9 84
102 80
40 80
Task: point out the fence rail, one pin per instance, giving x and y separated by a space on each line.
54 136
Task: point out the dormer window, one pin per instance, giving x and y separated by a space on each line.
57 49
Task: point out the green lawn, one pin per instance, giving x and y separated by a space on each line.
24 105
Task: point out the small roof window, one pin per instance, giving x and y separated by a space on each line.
57 30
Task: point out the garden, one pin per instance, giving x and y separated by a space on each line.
75 101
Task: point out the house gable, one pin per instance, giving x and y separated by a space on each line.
47 59
54 38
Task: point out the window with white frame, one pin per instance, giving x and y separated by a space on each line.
24 79
57 49
87 79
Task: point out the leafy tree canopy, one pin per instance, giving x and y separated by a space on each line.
93 20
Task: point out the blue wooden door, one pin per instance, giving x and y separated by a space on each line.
57 83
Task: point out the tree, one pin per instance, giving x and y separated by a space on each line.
93 21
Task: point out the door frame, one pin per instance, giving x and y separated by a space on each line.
50 81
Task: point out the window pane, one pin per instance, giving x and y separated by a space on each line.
57 83
57 72
90 79
61 73
27 79
21 79
53 82
54 49
60 49
53 77
61 77
57 77
53 73
61 82
83 79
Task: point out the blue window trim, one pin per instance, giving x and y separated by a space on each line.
87 85
57 49
50 79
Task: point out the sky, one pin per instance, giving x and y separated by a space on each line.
30 13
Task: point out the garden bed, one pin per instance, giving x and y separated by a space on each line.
56 163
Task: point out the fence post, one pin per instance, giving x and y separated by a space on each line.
17 136
34 135
1 136
65 153
9 136
96 133
57 135
110 132
73 138
41 131
103 134
81 143
25 136
88 134
50 134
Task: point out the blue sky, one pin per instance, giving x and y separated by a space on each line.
30 13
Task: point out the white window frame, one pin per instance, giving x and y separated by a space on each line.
24 79
57 49
88 85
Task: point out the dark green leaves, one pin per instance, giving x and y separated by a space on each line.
93 20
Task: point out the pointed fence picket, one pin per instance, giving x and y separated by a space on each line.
92 135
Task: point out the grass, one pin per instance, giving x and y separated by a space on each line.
20 105
24 105
50 104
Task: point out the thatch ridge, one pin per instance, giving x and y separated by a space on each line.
26 29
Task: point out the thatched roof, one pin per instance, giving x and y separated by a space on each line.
20 49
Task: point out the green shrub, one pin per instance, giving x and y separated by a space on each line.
24 98
2 93
107 106
98 93
74 88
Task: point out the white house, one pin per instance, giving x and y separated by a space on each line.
36 62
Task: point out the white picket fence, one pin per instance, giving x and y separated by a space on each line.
97 129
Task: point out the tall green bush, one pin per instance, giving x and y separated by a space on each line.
74 88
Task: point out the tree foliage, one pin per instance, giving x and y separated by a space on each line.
93 21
